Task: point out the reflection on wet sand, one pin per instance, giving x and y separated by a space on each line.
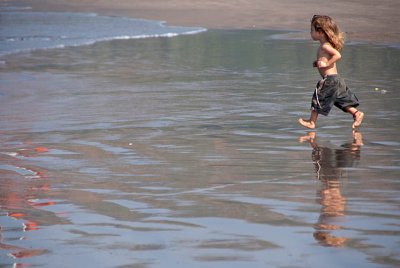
23 191
329 164
183 152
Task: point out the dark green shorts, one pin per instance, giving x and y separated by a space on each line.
333 91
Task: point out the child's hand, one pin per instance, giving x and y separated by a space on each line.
321 64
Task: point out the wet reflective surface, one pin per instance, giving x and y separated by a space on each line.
185 151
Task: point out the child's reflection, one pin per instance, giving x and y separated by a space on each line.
328 168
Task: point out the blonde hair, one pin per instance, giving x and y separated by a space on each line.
329 27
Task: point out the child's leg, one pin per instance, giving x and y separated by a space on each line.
311 123
358 116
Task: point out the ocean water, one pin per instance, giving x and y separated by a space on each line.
25 30
185 152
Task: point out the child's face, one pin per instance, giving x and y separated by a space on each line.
314 33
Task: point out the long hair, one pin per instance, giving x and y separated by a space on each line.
329 27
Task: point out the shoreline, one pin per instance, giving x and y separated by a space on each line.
361 20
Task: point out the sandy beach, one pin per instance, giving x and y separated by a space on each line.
129 143
362 20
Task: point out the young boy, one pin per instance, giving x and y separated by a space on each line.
331 90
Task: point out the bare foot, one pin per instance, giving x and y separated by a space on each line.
358 118
307 123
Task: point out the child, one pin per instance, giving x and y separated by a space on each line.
331 90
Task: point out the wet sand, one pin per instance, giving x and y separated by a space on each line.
185 152
362 20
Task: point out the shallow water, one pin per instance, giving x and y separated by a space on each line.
185 152
23 30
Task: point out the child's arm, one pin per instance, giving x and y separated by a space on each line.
331 56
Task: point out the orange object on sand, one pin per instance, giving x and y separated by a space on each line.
41 149
16 215
30 226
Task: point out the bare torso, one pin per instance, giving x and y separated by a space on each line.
322 63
